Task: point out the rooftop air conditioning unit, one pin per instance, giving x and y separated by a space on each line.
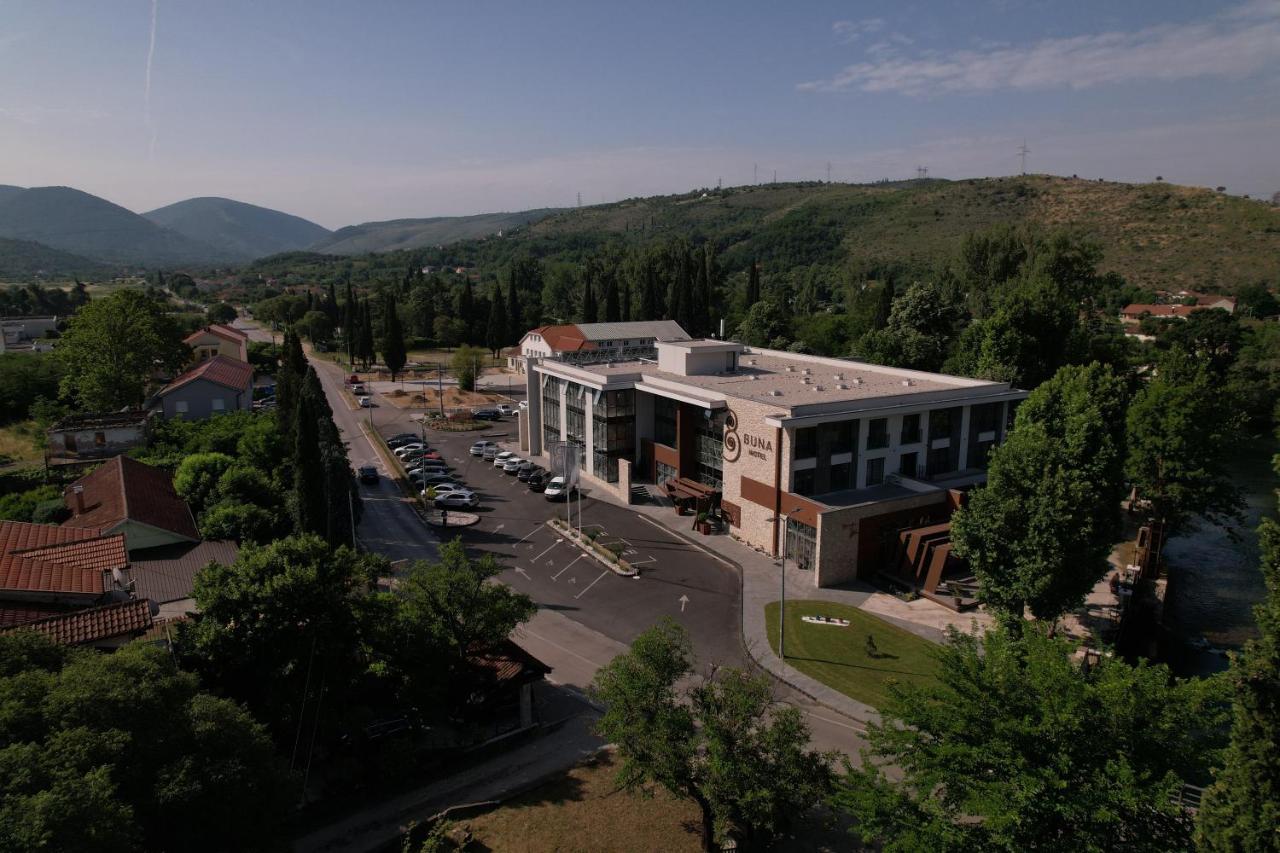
775 393
817 387
791 368
907 383
857 380
806 371
805 380
842 386
838 377
751 361
753 377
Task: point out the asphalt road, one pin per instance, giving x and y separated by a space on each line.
587 614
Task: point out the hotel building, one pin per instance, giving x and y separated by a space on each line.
825 459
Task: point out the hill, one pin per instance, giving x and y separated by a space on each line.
1152 234
397 234
238 229
74 221
23 260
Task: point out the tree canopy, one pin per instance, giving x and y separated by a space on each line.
113 346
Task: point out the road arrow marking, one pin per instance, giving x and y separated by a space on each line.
530 533
499 527
573 581
684 600
523 573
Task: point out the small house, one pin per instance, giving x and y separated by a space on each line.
213 387
97 436
218 339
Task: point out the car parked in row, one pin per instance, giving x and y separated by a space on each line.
480 447
422 480
557 489
437 489
405 449
512 465
525 471
505 410
398 441
500 459
537 481
487 415
457 500
490 453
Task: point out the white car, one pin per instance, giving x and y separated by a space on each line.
556 489
480 447
406 449
365 402
500 459
505 409
445 489
524 404
455 500
490 452
512 465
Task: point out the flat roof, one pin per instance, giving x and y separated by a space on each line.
797 384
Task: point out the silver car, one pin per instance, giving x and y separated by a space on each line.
501 459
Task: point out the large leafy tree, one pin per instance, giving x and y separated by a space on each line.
725 746
1033 331
113 346
123 752
1021 746
1039 532
1180 435
920 328
1240 812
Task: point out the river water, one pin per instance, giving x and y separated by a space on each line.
1215 580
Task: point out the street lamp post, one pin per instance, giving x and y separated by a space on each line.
782 605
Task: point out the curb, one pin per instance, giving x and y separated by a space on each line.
590 551
749 648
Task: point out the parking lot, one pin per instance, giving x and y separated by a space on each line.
676 580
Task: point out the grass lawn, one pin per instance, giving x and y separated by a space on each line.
18 442
840 658
582 810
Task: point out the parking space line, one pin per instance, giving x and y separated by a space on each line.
557 575
593 583
544 553
530 533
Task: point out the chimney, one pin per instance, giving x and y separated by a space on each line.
78 492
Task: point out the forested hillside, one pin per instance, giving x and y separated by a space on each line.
24 260
397 234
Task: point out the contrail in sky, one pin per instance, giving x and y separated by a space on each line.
151 52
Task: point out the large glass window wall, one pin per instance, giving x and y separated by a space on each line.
664 421
710 446
613 424
802 543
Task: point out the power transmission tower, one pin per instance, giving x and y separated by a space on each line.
1022 153
579 199
755 173
922 172
775 176
828 171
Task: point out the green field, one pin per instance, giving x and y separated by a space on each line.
838 657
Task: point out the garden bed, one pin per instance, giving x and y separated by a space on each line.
607 554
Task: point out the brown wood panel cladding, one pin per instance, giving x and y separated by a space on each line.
757 492
666 455
732 512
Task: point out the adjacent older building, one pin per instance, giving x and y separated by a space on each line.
213 387
27 334
588 343
217 339
824 460
96 436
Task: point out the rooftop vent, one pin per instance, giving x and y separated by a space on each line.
791 368
806 371
857 380
842 386
907 383
838 377
805 380
775 393
753 377
817 387
751 361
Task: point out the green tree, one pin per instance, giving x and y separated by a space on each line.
1180 435
495 333
308 501
1213 337
465 365
589 309
765 322
122 752
113 346
649 309
1257 301
1240 812
515 327
919 330
240 522
752 294
729 749
24 379
1020 747
220 312
197 479
393 351
1039 532
1033 331
612 308
365 345
316 326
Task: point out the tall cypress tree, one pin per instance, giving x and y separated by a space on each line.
307 503
393 354
495 333
699 311
331 306
752 296
682 306
588 302
612 313
293 367
514 314
625 299
467 310
711 293
649 293
366 334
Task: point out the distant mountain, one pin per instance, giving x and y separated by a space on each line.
396 234
238 229
74 221
23 260
7 190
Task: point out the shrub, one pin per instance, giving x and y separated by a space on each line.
50 512
21 506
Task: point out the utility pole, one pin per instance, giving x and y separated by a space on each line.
579 199
755 173
775 176
828 171
1022 153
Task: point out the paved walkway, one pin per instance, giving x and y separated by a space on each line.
761 585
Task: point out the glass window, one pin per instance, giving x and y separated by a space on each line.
99 439
218 404
939 423
877 434
806 443
613 427
710 441
803 481
910 429
801 543
842 476
181 407
664 421
664 472
875 471
840 435
907 465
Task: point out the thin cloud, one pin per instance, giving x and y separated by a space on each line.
851 31
146 92
1240 42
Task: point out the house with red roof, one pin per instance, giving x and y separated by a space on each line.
218 339
214 386
128 497
46 569
107 627
595 342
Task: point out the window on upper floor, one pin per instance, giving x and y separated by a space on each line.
875 471
806 443
910 429
877 433
803 482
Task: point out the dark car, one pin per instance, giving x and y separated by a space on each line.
487 415
527 470
368 474
402 439
537 481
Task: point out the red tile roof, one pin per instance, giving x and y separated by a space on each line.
12 613
168 572
568 338
42 558
218 369
229 333
1138 309
507 663
124 489
93 623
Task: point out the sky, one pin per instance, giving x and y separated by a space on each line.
348 112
